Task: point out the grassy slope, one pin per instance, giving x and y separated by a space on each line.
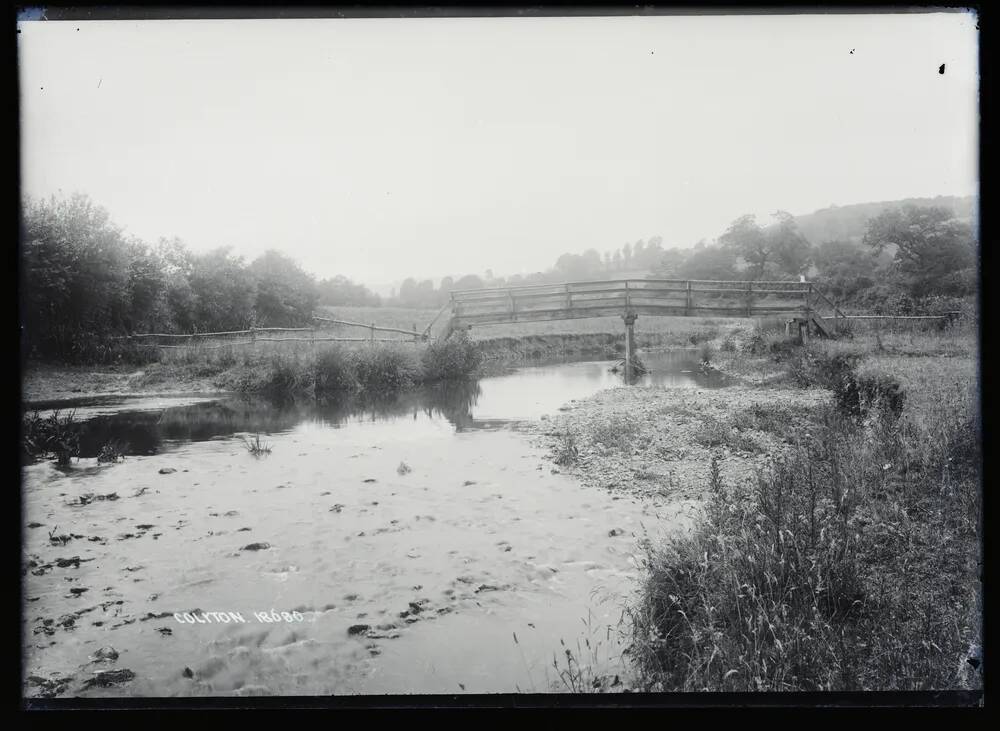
852 564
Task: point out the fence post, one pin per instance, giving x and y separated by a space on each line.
372 340
687 299
749 297
415 336
253 337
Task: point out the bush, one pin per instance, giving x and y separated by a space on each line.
456 357
858 395
287 375
384 368
333 372
566 451
55 435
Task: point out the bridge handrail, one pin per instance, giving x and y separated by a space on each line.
736 285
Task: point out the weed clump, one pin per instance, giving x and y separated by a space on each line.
333 372
454 358
566 451
256 447
385 369
111 451
56 435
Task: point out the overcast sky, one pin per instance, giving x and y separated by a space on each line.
385 148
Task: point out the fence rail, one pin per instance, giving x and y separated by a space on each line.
415 335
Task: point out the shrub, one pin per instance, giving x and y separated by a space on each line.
566 451
111 451
859 395
456 357
287 375
384 368
333 372
55 435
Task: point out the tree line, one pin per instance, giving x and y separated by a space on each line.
84 279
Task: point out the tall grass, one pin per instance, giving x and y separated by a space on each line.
849 564
54 435
337 370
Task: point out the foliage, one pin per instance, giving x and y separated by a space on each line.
342 291
456 357
385 368
836 568
334 372
286 295
55 435
930 245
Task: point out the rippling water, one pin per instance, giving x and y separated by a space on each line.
479 543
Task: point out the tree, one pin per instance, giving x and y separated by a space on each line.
746 239
342 291
469 281
930 244
670 263
709 262
76 274
845 268
224 292
789 248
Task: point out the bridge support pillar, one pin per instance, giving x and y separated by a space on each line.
629 318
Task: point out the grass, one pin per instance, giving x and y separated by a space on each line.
56 436
256 447
334 370
852 561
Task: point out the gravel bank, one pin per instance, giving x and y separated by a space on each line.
665 445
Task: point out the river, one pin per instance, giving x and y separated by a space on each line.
426 516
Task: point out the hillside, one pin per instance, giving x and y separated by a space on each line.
849 222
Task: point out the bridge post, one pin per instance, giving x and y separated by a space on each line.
629 318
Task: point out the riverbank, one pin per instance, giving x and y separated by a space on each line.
48 382
837 546
661 442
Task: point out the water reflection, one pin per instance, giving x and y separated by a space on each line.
489 403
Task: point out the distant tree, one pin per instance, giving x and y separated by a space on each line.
286 295
709 262
617 260
930 244
342 291
591 263
670 263
845 268
639 253
746 239
469 281
627 255
790 250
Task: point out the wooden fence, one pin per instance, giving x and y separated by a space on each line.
265 335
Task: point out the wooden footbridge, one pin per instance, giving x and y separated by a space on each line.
804 306
801 302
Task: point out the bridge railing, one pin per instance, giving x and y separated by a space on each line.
650 296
